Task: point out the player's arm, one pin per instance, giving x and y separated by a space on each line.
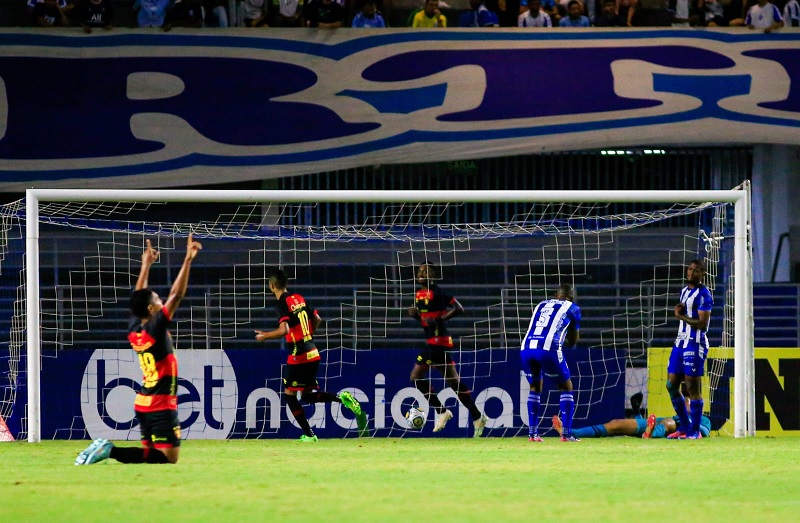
456 310
316 320
149 256
573 335
181 283
281 331
700 323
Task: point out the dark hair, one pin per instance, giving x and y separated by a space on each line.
700 263
565 290
572 2
433 271
278 278
140 301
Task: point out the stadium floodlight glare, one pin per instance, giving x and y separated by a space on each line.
411 218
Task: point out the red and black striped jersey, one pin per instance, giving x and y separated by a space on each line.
432 303
293 309
152 343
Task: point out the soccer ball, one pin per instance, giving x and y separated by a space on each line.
415 418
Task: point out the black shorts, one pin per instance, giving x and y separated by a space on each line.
301 377
434 355
160 429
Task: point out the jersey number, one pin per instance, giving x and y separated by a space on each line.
148 364
305 325
544 316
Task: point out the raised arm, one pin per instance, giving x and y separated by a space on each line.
149 256
181 283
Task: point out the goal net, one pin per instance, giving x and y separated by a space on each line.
67 370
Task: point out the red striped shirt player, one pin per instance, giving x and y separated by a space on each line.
156 403
433 307
297 323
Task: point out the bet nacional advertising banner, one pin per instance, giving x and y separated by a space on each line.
777 394
139 108
236 393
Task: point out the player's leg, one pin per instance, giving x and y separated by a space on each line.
651 425
675 375
533 373
160 442
615 427
419 377
696 404
300 378
663 428
453 380
694 382
556 366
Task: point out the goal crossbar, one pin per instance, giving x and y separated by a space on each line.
744 395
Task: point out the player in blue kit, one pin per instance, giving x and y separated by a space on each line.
688 357
555 323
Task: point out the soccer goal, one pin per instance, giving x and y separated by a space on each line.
68 372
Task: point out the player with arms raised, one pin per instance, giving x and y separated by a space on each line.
688 357
297 322
555 323
156 404
433 307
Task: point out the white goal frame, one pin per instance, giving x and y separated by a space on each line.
744 365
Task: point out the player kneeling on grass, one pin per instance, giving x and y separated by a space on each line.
156 404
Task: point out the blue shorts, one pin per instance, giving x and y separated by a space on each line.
550 362
689 360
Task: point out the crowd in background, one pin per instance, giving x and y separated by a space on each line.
331 14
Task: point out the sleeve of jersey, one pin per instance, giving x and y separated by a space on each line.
576 316
282 312
163 317
707 302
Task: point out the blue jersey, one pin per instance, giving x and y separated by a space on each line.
695 300
549 324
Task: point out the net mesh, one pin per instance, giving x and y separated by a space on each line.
355 263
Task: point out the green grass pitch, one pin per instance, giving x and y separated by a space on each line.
402 480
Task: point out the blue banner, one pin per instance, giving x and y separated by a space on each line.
236 393
146 109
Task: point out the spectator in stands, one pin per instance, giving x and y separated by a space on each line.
216 13
608 17
152 13
31 5
534 16
287 13
575 16
429 16
325 14
653 13
713 13
95 13
368 16
681 11
478 16
254 13
764 15
547 6
626 10
49 13
791 13
186 13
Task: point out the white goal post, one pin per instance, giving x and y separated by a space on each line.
744 387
